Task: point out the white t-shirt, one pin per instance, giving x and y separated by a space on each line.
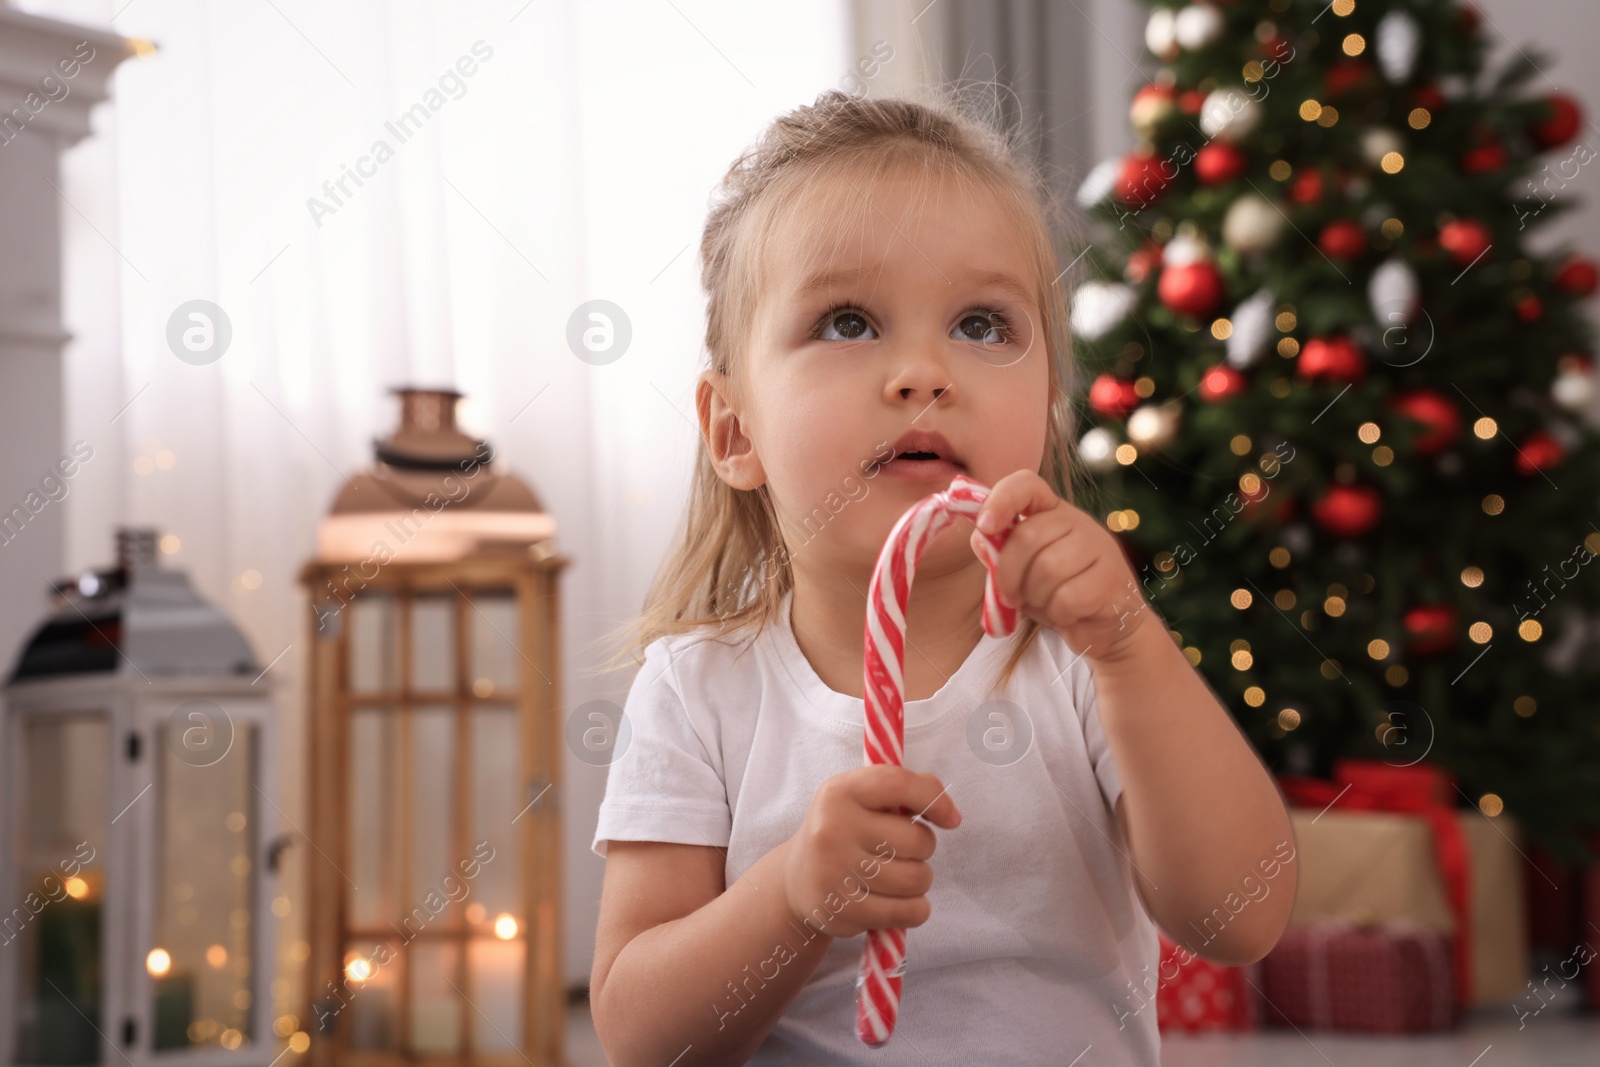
1037 937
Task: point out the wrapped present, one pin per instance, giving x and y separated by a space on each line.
1499 918
1424 793
1372 863
1553 894
1195 994
1386 978
1591 897
1384 866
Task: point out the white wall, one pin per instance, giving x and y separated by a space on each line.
1569 31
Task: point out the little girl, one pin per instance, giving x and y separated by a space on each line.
884 313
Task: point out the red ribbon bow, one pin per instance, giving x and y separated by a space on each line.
1371 785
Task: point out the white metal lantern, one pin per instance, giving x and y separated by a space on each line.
135 870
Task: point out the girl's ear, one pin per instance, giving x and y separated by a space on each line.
733 454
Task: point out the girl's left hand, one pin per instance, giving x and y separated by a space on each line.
1062 568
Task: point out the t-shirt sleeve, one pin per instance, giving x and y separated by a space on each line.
662 784
1094 736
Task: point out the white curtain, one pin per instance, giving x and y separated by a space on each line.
573 162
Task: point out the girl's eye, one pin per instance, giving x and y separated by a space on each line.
843 324
984 326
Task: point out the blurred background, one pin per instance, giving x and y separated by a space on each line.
346 367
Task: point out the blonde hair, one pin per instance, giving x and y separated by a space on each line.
716 577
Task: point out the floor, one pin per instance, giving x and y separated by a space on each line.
1486 1040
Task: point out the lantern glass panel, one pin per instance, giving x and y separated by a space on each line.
374 790
374 644
497 806
433 645
495 970
435 1006
206 900
371 994
56 919
495 656
429 899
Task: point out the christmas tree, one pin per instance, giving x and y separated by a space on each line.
1333 398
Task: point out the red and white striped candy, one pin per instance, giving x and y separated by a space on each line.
883 962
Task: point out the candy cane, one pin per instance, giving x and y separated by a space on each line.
883 962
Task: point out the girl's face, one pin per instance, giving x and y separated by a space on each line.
897 314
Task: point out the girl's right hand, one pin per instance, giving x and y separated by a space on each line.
858 861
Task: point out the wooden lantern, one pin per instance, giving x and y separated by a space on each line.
434 760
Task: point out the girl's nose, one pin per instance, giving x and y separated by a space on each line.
920 373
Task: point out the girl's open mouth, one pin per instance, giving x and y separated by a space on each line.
922 465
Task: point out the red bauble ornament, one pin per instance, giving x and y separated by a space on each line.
1530 308
1435 411
1113 397
1344 76
1333 359
1141 262
1430 628
1562 125
1429 97
1218 162
1257 507
1191 289
1144 177
1221 382
1306 187
1190 101
1275 47
1485 158
1464 239
1342 239
1578 276
1348 510
1575 363
1539 452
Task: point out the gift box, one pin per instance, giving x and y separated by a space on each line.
1591 897
1385 978
1367 864
1499 958
1197 995
1380 844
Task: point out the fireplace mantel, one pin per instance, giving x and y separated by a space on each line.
43 111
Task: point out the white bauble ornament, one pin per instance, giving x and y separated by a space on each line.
1393 293
1198 26
1574 390
1373 216
1183 250
1454 86
1252 224
1379 142
1099 182
1252 329
1098 449
1098 306
1229 115
1150 108
1399 39
1297 538
1161 33
1153 426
